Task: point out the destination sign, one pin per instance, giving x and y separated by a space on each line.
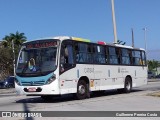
41 44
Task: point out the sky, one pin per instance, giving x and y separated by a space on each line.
89 19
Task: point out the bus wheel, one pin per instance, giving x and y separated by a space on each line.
47 97
81 90
127 85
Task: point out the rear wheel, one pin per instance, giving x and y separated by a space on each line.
127 85
82 90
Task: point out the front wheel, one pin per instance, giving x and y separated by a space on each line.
82 90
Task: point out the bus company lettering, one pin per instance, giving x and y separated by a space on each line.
89 70
124 70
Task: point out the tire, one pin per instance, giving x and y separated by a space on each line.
82 90
128 85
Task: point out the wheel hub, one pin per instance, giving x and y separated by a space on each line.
81 89
128 86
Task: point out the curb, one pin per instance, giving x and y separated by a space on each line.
5 91
154 80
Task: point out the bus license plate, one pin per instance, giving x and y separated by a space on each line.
32 89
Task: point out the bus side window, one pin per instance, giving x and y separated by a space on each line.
62 59
136 57
126 57
113 56
81 54
143 58
118 55
106 54
67 59
77 56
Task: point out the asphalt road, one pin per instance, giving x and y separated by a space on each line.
137 100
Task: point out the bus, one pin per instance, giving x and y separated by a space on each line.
63 65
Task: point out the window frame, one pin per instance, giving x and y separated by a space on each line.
105 54
129 51
70 66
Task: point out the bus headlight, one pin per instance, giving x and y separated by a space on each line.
51 79
16 80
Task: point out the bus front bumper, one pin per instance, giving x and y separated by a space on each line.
36 90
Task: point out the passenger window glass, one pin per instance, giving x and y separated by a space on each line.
67 58
143 58
113 55
125 56
99 54
84 53
136 58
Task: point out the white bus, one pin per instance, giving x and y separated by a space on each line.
63 65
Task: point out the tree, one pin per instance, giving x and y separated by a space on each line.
18 39
6 56
152 64
6 62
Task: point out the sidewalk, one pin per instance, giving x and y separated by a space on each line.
9 90
154 80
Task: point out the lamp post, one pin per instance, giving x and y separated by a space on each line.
132 37
114 22
145 40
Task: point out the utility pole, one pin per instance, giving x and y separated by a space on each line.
114 22
132 37
13 57
145 40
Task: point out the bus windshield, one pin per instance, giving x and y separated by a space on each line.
36 61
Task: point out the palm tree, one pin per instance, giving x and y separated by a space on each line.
18 39
7 41
7 56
